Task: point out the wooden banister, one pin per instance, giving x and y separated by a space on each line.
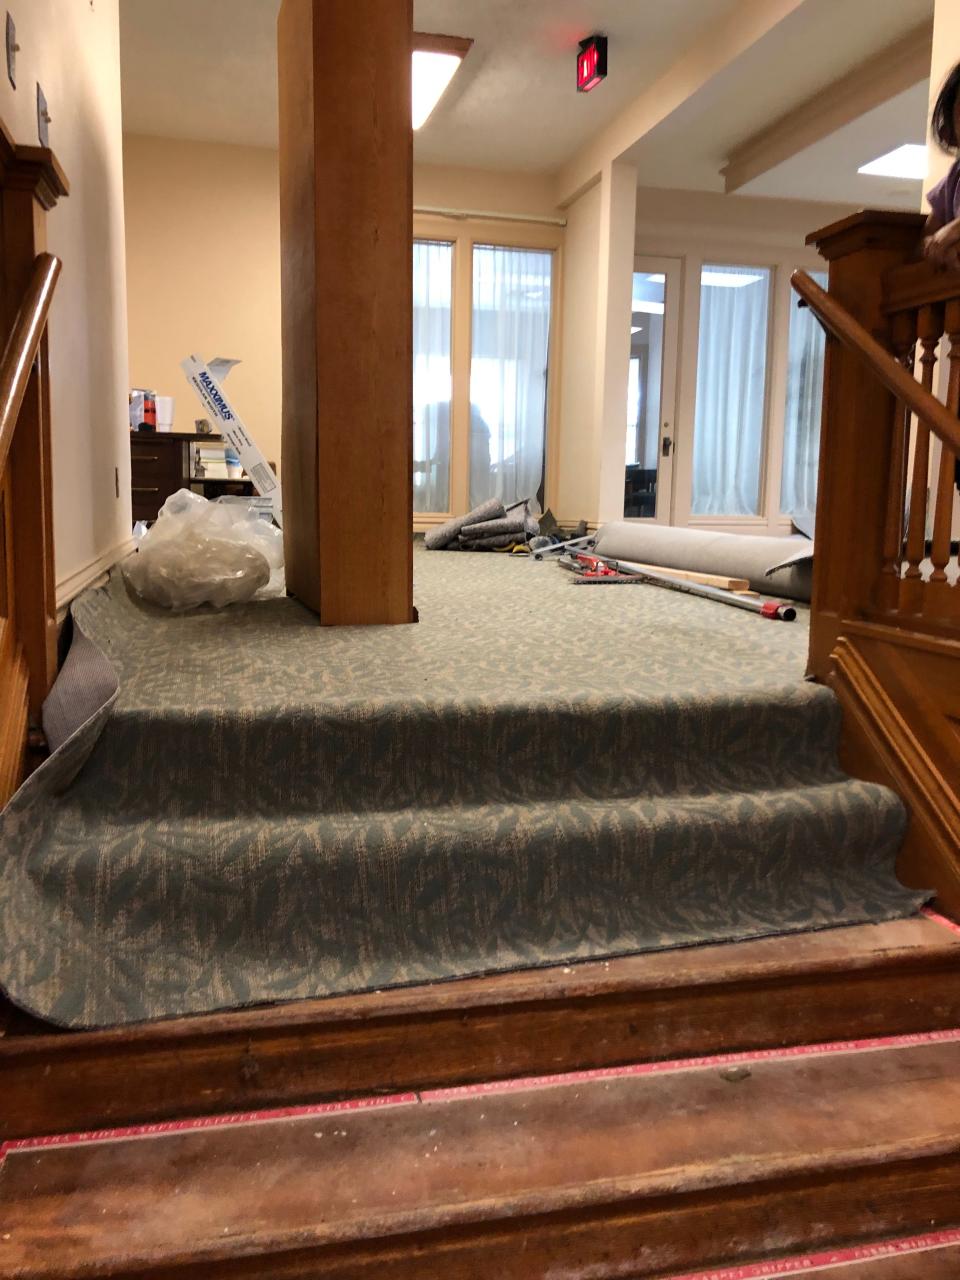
888 370
22 344
885 613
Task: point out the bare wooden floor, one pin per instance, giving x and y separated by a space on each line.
636 1174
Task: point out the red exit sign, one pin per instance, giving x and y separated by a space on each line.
591 63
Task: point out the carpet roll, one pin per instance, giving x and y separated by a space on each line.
773 566
446 534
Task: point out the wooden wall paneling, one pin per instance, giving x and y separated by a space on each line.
31 182
346 186
856 434
900 694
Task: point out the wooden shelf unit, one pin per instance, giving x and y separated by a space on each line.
160 464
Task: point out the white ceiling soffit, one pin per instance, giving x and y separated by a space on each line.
815 47
828 169
206 70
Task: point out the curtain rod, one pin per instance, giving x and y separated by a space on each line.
461 215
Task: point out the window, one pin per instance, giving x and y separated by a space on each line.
731 390
634 401
801 432
432 380
508 377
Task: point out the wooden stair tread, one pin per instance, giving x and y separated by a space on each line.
475 1161
868 980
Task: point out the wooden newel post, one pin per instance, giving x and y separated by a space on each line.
858 428
346 207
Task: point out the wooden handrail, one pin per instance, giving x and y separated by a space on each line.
838 321
21 349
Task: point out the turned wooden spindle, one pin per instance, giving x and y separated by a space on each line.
929 332
943 503
903 340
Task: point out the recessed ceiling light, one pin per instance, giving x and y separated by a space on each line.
727 279
637 328
649 308
432 73
908 161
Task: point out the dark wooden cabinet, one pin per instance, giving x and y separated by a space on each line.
160 464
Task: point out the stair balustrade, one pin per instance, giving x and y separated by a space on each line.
885 614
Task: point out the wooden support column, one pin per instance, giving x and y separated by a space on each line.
856 438
346 207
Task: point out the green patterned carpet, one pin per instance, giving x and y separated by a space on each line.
535 773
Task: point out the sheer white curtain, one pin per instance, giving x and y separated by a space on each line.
731 386
801 432
432 295
508 376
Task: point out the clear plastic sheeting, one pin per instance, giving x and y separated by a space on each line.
200 552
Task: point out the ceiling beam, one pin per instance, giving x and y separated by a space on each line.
722 44
898 68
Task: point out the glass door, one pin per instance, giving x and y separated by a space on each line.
652 390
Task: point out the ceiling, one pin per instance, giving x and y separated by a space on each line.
206 70
828 171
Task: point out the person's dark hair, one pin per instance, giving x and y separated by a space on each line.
942 122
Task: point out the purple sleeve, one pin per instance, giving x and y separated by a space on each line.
937 199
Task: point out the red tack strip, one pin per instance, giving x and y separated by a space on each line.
803 1265
695 1064
951 1036
937 918
206 1122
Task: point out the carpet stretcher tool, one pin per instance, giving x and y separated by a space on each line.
599 570
561 548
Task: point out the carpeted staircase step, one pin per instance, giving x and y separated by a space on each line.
867 980
459 890
363 756
639 1173
276 812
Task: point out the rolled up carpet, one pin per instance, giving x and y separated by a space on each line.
493 528
775 566
493 543
446 534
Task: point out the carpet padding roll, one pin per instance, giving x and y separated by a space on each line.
446 535
773 566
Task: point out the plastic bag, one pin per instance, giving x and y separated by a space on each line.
201 552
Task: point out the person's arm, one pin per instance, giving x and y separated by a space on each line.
941 234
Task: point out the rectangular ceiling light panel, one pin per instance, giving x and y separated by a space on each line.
432 73
908 161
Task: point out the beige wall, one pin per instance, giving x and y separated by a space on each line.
482 191
203 273
73 50
946 51
578 469
203 262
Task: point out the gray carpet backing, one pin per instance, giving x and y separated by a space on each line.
270 810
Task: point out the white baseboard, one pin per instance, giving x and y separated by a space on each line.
69 588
